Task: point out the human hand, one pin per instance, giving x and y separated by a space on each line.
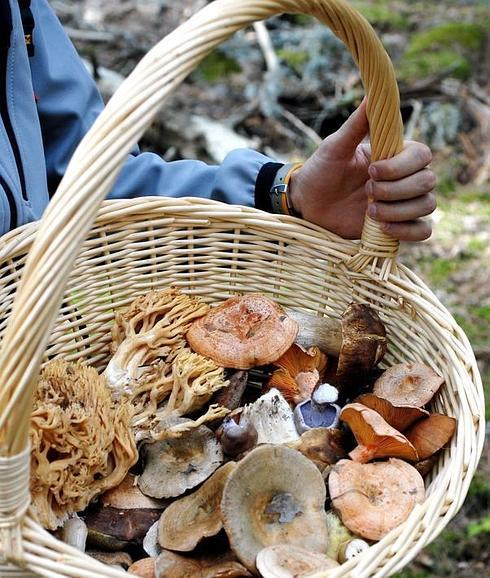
338 183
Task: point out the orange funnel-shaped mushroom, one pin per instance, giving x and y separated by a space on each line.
243 332
376 438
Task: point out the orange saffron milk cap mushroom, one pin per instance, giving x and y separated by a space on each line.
398 416
372 499
408 384
243 332
376 438
431 434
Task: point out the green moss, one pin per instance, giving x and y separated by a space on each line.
480 527
479 488
445 49
440 269
431 63
380 13
216 66
293 58
476 246
466 35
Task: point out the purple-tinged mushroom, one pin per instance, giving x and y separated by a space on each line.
309 415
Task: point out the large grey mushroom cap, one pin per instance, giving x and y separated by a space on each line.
175 465
274 496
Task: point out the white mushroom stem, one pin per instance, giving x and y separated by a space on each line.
272 418
75 533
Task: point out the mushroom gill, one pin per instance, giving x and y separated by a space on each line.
376 438
81 441
190 519
298 372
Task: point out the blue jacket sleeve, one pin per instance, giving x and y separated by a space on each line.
68 104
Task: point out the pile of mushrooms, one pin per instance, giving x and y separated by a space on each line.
269 441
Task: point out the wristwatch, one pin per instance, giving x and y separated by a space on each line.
279 191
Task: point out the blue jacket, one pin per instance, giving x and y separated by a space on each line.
48 102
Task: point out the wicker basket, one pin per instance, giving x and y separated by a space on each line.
67 288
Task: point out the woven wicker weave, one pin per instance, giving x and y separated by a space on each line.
66 295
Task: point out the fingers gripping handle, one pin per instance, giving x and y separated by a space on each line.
101 154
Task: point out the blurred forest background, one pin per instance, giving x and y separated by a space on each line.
283 86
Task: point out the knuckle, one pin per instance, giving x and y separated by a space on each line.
381 192
430 203
430 180
425 230
424 153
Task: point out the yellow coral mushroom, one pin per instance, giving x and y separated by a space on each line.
81 441
146 339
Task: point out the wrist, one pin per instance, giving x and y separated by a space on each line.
295 196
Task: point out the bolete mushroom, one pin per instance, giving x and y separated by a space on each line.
431 434
363 343
298 372
287 561
81 441
171 565
398 416
243 332
408 384
372 499
175 465
275 495
196 516
376 438
122 514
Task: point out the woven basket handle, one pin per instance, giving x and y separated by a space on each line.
98 159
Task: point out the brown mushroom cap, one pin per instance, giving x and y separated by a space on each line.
171 565
376 438
398 416
127 496
372 499
431 434
144 568
175 465
243 332
408 384
275 495
287 561
186 521
363 342
323 446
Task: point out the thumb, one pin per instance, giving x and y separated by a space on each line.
345 140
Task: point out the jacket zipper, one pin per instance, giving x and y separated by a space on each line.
7 24
11 201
